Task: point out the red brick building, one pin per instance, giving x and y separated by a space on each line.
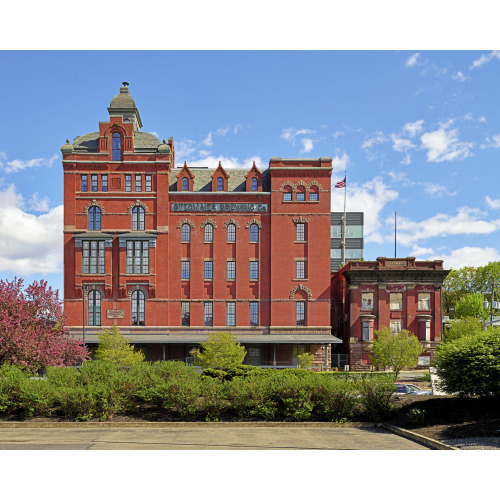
171 253
397 293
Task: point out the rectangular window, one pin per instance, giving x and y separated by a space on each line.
367 301
300 269
287 196
208 314
424 301
185 314
424 330
128 183
254 270
185 269
395 325
209 270
93 182
104 183
93 257
231 313
300 313
138 182
84 186
396 302
231 270
313 196
301 196
300 232
148 186
254 314
367 332
137 257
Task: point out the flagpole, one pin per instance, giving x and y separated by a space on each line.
343 229
395 234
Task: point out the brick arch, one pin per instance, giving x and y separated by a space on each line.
93 203
133 288
301 288
286 183
300 183
208 221
231 221
315 183
137 203
185 221
90 288
253 221
301 220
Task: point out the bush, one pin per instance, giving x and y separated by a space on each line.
376 398
20 395
470 366
336 399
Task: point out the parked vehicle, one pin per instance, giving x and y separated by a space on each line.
412 390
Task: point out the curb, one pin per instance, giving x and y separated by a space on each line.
432 443
87 425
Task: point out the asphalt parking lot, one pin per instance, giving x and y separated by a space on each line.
202 436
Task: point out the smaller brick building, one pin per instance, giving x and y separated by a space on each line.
397 293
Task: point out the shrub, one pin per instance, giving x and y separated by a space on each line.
220 350
416 416
470 366
336 399
115 348
305 360
376 397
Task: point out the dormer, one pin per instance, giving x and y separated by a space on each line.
253 179
220 179
116 137
185 179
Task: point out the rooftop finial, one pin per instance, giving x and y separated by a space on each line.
125 84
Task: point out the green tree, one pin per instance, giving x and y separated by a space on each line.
114 347
395 350
462 327
220 350
470 366
459 283
305 360
472 306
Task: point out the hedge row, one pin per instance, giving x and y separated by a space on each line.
100 390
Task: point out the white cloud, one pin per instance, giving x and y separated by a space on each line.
378 138
370 198
482 119
436 190
307 145
413 128
466 221
16 165
337 134
228 163
495 204
443 145
290 134
493 142
237 128
412 60
484 59
184 149
402 146
340 163
209 141
468 256
459 76
29 243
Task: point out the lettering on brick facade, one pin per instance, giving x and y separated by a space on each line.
219 207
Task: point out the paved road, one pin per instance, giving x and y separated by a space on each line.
210 436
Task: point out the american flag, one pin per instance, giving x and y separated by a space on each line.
340 184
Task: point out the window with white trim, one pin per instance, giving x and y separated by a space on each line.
209 233
231 270
254 313
367 301
300 313
138 215
185 314
93 257
231 313
396 325
396 301
208 318
185 269
137 257
186 233
300 269
300 231
254 269
424 301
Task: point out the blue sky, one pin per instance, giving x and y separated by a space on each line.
418 132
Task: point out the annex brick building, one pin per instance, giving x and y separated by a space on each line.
397 293
170 253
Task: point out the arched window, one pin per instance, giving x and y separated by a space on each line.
94 308
185 184
138 219
220 184
231 232
254 232
255 184
116 147
287 193
209 233
94 218
301 193
138 308
313 194
186 232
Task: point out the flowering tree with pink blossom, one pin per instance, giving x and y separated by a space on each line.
33 332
